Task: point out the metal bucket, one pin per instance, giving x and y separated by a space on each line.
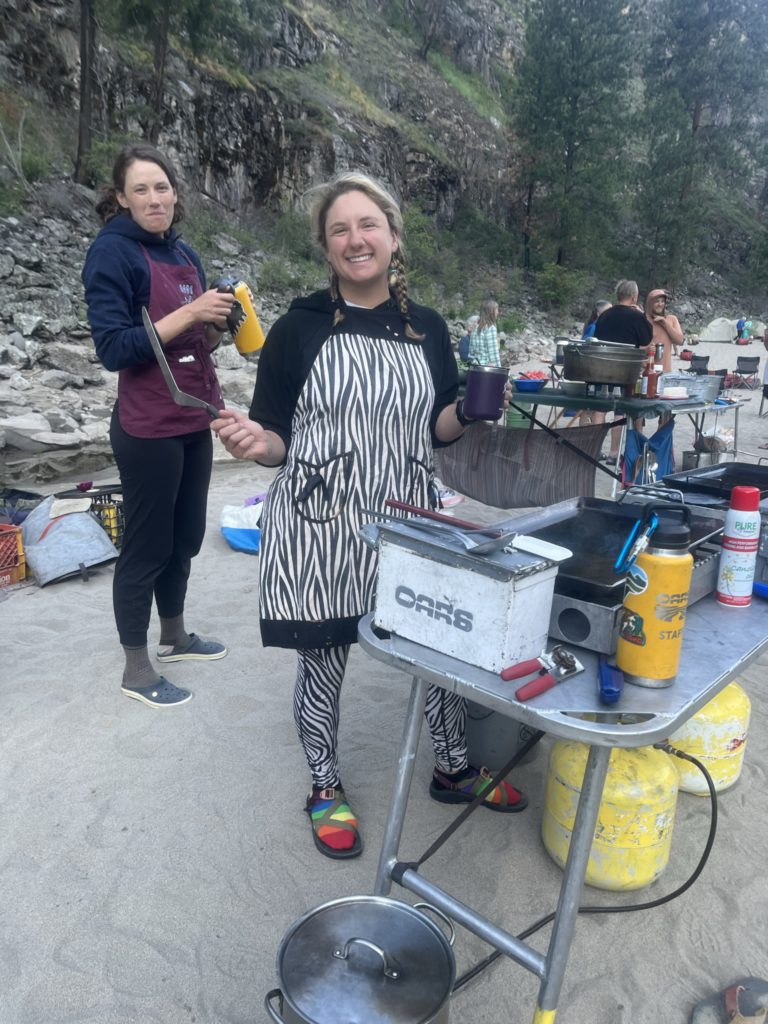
364 958
492 738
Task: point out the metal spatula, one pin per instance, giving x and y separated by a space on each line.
180 397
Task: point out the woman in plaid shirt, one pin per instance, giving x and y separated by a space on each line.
483 343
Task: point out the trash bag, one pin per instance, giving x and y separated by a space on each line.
240 525
67 545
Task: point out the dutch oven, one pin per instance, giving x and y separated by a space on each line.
602 362
364 960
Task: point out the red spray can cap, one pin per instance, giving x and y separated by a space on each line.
745 499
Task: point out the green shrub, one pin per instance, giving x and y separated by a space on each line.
511 322
279 275
432 259
292 235
559 286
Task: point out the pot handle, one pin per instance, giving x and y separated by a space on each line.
343 954
268 1005
443 917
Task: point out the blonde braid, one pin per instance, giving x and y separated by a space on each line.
400 286
338 314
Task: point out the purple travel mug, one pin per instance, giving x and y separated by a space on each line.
484 398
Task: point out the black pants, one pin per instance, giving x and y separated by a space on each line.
165 492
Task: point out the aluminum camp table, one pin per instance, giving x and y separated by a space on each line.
718 644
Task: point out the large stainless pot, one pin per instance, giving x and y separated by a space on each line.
602 362
364 960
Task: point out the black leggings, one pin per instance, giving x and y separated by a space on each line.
165 492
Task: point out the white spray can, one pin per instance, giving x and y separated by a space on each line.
740 539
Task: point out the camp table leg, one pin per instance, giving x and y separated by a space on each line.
573 883
402 786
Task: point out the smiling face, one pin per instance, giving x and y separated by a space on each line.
359 243
148 196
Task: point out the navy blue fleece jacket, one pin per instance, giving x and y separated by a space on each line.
116 279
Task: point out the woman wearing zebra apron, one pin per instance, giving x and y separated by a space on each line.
355 386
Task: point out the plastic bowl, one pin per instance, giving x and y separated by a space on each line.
524 384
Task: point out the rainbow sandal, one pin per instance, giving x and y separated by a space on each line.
502 797
331 816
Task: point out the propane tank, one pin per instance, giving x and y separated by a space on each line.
717 736
633 833
242 321
656 597
741 535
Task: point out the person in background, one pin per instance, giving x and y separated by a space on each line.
163 451
589 327
472 322
355 385
740 327
625 322
484 340
666 327
588 416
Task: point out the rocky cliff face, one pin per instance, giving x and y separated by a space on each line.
301 114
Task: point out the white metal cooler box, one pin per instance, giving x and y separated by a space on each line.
489 610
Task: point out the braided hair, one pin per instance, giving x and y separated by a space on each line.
322 197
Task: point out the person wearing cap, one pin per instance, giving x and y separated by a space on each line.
666 327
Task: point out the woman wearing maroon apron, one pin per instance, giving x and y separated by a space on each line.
163 451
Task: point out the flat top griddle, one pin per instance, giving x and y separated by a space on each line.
719 480
595 530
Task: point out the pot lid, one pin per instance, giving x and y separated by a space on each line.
365 960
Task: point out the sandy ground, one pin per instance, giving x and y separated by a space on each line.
152 861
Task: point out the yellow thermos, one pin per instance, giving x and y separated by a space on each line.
242 322
656 597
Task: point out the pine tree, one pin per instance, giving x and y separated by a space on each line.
705 85
572 121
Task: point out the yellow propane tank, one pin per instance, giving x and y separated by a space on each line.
716 736
634 826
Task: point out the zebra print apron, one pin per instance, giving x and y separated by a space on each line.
360 435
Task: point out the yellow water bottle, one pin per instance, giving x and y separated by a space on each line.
656 597
242 321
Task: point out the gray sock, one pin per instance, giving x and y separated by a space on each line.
139 671
172 632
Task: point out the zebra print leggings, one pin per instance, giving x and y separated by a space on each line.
316 713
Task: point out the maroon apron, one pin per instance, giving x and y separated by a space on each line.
145 405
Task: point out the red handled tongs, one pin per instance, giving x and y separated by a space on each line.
553 667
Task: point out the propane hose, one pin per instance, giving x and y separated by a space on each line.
650 904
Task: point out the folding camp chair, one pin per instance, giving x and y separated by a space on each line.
745 374
699 364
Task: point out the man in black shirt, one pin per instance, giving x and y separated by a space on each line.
625 322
